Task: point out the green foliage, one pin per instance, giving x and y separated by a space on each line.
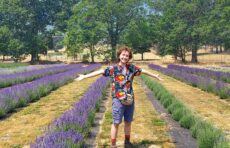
138 34
12 65
2 112
179 112
206 134
117 15
9 45
182 26
85 29
209 136
174 106
187 121
27 21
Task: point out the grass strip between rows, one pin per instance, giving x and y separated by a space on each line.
206 134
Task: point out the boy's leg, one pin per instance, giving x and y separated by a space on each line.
127 130
128 117
114 130
118 113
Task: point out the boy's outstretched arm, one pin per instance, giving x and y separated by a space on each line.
151 74
92 74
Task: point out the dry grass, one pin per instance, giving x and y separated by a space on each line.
210 107
24 126
148 129
204 57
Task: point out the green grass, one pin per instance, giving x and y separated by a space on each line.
12 65
158 122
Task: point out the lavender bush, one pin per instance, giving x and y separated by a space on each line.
4 71
12 79
77 120
60 139
217 75
205 83
19 95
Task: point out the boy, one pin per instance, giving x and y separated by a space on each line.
122 75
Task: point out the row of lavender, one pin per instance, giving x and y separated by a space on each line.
7 80
73 126
205 83
222 68
21 94
217 75
4 71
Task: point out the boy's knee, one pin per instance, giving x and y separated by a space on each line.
128 122
116 125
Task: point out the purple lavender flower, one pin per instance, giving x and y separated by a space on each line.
75 120
217 75
10 96
59 139
11 79
205 83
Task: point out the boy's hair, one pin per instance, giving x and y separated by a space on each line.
124 48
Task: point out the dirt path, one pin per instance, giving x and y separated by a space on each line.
22 127
206 105
148 129
181 137
91 140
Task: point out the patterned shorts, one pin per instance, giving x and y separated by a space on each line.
119 110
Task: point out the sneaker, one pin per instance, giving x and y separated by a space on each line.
128 144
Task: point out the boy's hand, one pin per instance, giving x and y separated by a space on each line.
80 77
157 76
160 79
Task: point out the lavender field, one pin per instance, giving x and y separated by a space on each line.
71 128
20 94
211 81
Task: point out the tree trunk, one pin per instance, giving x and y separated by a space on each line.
92 53
221 49
183 56
113 34
175 57
194 54
113 45
212 49
142 56
217 51
34 58
74 56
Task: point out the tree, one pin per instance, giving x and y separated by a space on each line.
63 12
9 45
217 24
16 49
116 14
137 36
84 28
28 21
5 37
182 24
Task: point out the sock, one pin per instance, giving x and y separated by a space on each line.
113 141
127 137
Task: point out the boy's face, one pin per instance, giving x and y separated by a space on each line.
124 57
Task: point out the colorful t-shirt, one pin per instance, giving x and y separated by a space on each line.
122 78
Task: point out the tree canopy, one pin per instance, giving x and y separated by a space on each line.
172 26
